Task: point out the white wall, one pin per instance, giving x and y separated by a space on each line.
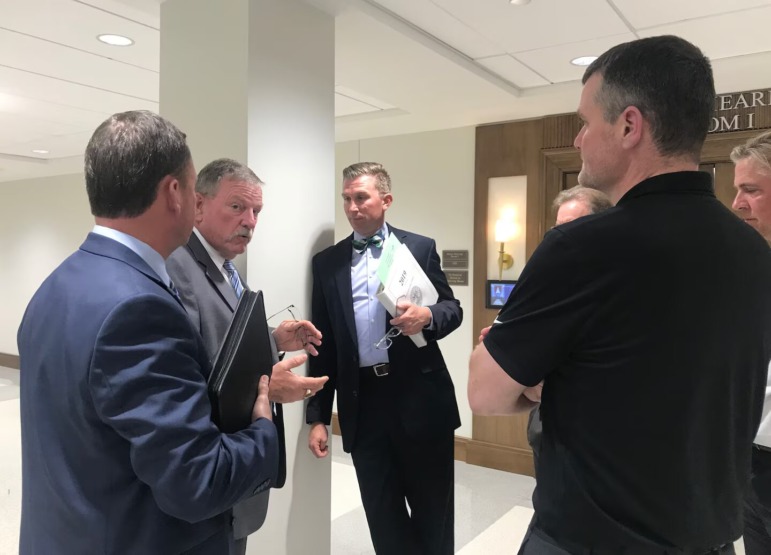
42 221
432 177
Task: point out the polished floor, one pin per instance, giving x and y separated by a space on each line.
492 508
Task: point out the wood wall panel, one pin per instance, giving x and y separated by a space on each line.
9 361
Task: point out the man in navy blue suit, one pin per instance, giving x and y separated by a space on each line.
396 402
119 452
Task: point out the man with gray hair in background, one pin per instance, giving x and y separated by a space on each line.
569 205
752 180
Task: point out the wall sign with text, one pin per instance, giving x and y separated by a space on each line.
741 111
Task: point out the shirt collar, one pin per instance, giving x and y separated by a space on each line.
383 231
216 257
686 182
152 257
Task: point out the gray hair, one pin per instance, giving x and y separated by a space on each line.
595 200
209 177
370 168
757 148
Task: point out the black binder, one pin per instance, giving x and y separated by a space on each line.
244 357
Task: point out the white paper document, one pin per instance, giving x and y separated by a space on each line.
402 279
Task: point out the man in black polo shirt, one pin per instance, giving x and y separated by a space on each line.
650 324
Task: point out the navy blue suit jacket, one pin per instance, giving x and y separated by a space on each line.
427 404
119 453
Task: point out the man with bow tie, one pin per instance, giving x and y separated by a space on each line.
228 203
396 402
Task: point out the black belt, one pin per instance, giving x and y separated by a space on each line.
377 370
762 448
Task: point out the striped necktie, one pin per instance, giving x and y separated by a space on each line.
235 281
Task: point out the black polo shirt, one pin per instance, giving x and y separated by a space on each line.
649 323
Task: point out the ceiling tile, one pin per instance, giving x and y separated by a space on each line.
79 25
345 106
513 71
659 12
723 36
46 58
539 24
554 62
437 22
39 87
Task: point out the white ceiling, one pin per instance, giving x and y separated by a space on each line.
402 66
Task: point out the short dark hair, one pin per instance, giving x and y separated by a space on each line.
595 200
669 80
370 168
126 158
211 174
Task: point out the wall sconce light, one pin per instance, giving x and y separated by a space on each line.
505 230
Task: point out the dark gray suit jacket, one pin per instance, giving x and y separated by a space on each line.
210 302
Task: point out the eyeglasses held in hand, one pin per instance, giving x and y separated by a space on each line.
388 339
287 309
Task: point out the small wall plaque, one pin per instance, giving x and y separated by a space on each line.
455 259
457 277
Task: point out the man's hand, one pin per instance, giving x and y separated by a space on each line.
483 333
288 387
317 440
262 407
534 393
294 335
412 318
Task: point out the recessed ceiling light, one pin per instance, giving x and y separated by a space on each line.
519 2
40 151
115 40
583 60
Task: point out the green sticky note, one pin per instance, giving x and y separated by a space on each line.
387 257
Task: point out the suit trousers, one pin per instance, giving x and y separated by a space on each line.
395 470
757 505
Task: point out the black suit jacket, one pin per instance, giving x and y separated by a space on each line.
210 302
427 402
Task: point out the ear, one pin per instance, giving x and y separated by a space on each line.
632 124
388 198
199 200
169 190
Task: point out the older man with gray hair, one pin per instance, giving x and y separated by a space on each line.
752 180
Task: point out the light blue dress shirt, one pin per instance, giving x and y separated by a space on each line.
142 249
369 314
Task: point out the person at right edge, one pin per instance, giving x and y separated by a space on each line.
396 402
649 324
752 180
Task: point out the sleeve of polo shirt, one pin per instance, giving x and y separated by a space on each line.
540 323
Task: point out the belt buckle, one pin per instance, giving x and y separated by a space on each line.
380 369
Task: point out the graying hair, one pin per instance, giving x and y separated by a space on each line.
208 182
757 148
370 168
595 200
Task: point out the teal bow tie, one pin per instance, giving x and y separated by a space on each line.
376 241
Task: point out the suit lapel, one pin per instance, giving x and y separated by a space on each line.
213 273
342 265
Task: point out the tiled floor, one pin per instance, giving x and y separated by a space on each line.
492 508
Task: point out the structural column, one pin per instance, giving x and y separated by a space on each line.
254 80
